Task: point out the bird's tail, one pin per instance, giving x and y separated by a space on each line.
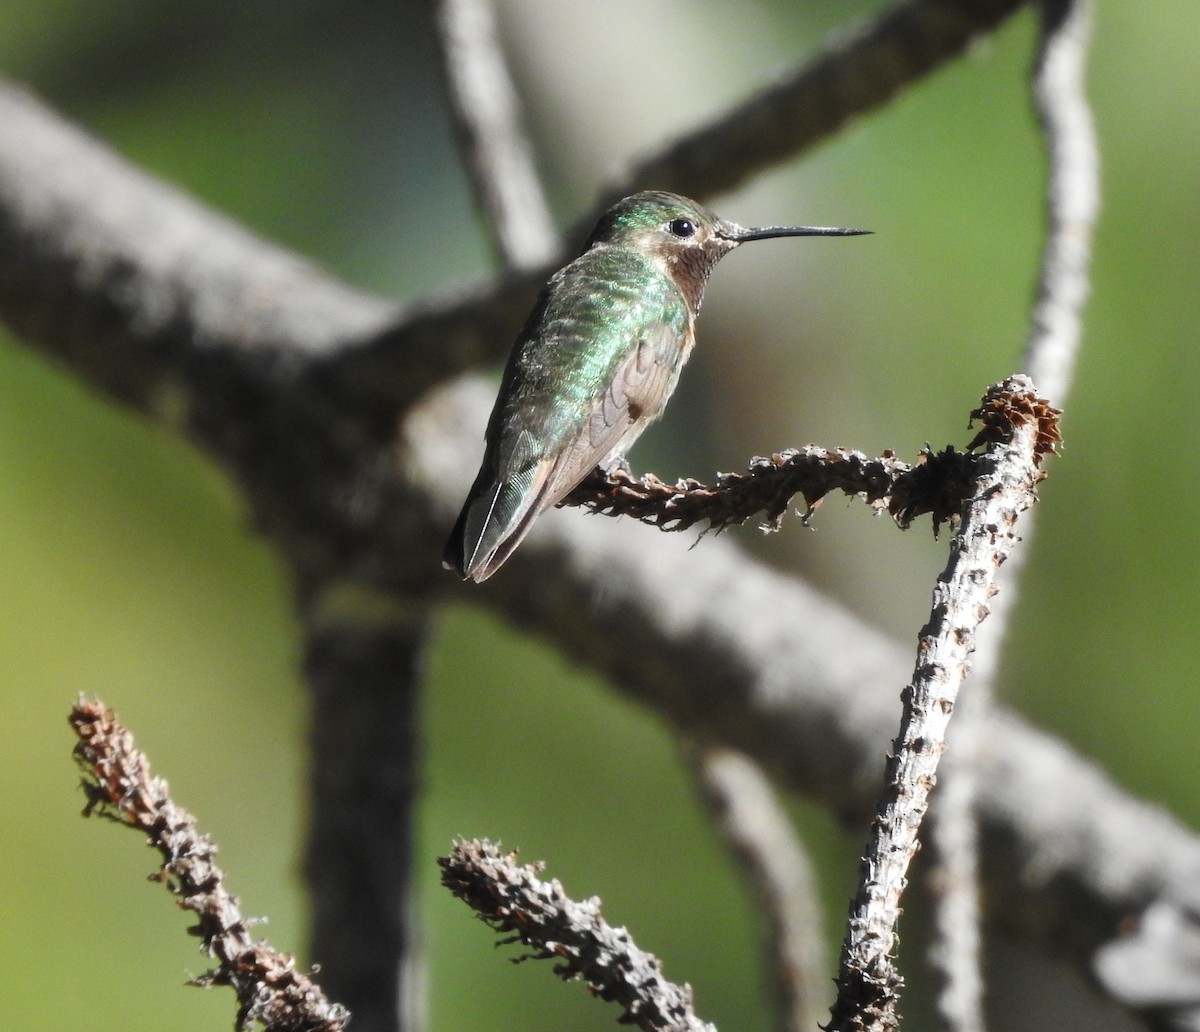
496 516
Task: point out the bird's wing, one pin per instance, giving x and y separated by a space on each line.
633 398
532 483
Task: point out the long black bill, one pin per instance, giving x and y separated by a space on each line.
742 235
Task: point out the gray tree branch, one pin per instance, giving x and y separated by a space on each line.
747 812
519 904
497 152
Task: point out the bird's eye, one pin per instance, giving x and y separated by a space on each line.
682 228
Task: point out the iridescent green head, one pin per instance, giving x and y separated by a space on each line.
683 237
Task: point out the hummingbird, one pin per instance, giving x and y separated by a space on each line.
595 364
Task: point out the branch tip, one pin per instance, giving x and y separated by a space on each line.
119 787
1014 403
516 903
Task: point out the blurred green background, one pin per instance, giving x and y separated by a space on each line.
129 570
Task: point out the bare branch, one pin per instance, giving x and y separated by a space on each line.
120 275
713 640
518 904
955 954
487 114
779 872
1019 428
118 785
1151 966
936 484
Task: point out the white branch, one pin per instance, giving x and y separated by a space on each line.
779 872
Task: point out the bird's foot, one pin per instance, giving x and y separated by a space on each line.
616 466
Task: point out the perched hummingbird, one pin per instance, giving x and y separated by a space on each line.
595 364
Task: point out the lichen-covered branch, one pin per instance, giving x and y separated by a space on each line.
517 903
119 786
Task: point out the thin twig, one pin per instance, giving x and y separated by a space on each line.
1072 196
118 785
781 875
956 951
517 903
1019 428
1072 202
488 117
